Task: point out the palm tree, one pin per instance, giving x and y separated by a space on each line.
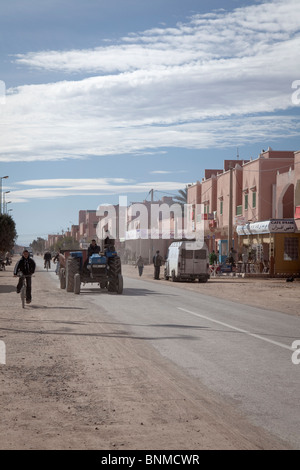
181 197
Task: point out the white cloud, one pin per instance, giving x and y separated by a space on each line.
57 188
196 85
204 38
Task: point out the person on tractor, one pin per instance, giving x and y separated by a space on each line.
93 248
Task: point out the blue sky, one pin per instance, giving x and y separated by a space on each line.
100 99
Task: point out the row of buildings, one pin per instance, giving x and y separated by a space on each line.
249 207
253 206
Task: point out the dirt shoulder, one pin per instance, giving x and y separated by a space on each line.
74 379
271 294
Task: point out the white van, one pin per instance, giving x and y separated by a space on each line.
187 262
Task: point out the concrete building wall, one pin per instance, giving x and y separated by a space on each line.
194 193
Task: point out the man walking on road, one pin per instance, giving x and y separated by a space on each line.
157 261
140 265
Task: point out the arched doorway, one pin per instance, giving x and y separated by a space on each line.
286 206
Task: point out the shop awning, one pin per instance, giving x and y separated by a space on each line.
267 226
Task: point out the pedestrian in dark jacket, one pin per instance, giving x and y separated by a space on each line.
140 265
157 261
26 266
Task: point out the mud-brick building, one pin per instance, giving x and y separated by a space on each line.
253 207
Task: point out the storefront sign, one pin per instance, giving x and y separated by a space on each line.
267 226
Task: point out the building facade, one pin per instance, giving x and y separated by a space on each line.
252 208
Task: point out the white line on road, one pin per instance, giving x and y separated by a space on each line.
238 329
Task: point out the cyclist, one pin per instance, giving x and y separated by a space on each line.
25 265
47 259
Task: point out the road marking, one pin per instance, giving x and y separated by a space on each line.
239 329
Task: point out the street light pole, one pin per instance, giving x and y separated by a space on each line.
5 207
1 178
230 211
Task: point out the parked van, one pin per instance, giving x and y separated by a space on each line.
186 262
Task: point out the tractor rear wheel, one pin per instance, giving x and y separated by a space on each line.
72 269
77 283
119 288
114 264
62 278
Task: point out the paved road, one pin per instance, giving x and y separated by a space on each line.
242 353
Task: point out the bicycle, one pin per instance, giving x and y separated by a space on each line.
23 288
47 264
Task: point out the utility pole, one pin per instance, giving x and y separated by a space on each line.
151 240
230 210
1 178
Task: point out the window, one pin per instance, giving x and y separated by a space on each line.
206 208
291 252
239 210
221 207
246 202
187 254
200 254
254 199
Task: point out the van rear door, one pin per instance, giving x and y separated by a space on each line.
200 261
187 261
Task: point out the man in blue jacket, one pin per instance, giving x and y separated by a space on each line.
26 266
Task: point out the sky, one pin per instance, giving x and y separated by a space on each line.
101 99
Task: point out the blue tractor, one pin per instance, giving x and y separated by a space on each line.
103 269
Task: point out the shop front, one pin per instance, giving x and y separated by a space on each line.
271 246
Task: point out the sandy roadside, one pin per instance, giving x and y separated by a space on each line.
74 379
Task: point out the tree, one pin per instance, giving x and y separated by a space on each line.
8 233
181 197
38 246
66 243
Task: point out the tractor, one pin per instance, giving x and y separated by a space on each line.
104 269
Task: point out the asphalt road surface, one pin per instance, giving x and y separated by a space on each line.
242 353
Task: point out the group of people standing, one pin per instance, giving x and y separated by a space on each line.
157 263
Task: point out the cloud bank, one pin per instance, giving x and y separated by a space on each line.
62 187
216 80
